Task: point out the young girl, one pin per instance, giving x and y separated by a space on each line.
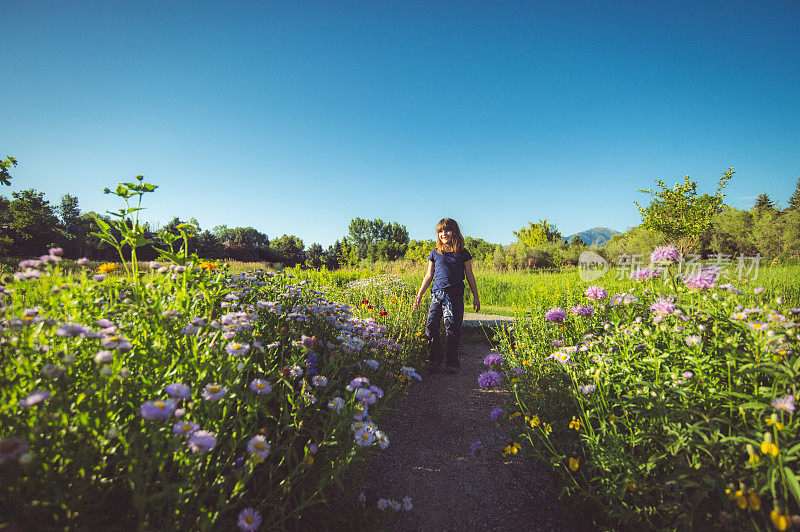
447 266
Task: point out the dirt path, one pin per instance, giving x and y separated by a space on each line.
429 459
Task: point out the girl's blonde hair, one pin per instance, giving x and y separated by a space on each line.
457 242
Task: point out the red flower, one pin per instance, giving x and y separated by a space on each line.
369 307
365 302
384 313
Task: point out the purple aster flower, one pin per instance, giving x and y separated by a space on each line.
556 315
258 446
104 357
758 289
99 277
557 343
35 398
260 386
185 428
496 413
518 371
587 389
687 374
249 520
202 441
663 306
178 390
492 359
664 254
55 251
214 392
785 403
692 340
704 279
159 409
70 330
477 447
11 448
644 274
583 311
83 261
596 292
236 349
489 378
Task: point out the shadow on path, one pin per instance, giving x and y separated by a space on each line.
429 460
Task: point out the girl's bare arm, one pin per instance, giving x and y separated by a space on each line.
476 301
426 282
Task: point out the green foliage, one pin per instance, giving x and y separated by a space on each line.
290 248
5 175
658 422
33 224
125 231
764 204
420 250
794 201
679 213
536 234
376 239
314 256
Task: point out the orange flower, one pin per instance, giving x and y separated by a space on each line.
108 267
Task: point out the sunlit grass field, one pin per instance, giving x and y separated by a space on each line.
516 292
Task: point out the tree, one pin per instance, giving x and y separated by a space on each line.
314 256
34 225
290 248
376 239
577 241
764 204
5 175
679 213
794 201
536 234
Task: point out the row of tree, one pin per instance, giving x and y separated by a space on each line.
695 223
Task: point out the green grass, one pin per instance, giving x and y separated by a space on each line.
510 293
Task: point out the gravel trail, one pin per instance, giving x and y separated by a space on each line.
429 460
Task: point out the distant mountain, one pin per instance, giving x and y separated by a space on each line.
596 235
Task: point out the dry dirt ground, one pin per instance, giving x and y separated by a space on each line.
429 459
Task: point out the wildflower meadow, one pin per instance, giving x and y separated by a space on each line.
173 394
668 406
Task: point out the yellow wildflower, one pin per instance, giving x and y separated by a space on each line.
780 520
741 500
526 362
574 463
753 501
773 420
575 424
209 265
754 459
515 379
535 422
515 415
108 267
768 447
547 428
512 449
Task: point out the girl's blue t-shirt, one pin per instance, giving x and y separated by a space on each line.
448 269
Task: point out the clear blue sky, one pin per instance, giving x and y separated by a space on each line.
294 117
